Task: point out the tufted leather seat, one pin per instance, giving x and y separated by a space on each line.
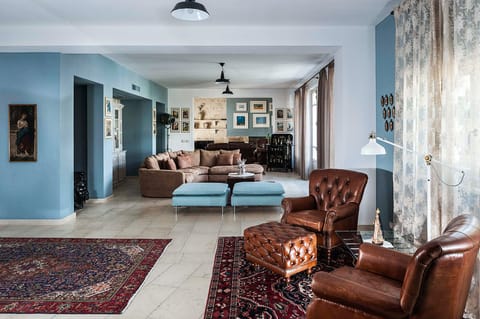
333 203
433 283
284 249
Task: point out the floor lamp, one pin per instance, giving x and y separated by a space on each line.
373 148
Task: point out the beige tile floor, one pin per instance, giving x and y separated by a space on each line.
177 286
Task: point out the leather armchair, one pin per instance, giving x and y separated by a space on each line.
433 283
333 204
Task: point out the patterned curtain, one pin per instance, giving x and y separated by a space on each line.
438 98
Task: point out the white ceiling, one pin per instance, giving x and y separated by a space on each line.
246 66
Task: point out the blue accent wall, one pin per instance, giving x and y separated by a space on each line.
385 85
231 105
26 186
44 189
137 133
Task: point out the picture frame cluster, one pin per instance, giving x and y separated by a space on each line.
182 120
258 109
284 120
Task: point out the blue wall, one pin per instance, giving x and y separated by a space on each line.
44 189
30 189
137 133
231 104
385 85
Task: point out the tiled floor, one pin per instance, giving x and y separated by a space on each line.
177 286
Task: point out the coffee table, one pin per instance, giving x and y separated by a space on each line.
352 239
236 177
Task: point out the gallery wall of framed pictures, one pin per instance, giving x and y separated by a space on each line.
388 111
182 120
283 120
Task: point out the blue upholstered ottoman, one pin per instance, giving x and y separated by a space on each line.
201 194
257 194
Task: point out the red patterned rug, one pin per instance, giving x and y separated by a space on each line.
74 276
240 290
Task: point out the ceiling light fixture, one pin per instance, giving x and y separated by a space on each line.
227 91
189 10
222 79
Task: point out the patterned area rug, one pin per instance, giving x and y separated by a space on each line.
240 290
75 276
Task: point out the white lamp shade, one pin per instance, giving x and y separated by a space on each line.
373 148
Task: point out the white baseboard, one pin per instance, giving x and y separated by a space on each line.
60 221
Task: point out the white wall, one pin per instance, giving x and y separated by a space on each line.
184 98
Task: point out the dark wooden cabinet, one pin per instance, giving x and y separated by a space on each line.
280 152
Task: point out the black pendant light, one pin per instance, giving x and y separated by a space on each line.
189 10
222 79
227 91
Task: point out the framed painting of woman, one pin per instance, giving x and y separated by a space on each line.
23 132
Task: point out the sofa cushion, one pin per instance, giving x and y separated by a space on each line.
151 162
236 151
171 165
225 159
184 161
236 158
208 158
223 169
162 156
195 157
258 188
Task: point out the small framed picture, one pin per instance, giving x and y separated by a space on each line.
258 106
185 126
384 113
289 126
382 101
393 111
289 113
389 112
280 126
108 107
108 128
185 113
175 128
390 99
260 120
391 125
387 126
176 112
240 120
22 120
280 114
241 107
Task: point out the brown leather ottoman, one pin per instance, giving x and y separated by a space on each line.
282 248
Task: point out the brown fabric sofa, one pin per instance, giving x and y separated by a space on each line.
160 174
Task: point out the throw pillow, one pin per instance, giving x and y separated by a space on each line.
237 157
208 158
151 162
225 159
195 157
184 161
171 165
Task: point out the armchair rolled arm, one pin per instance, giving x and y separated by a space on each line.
338 213
293 204
383 261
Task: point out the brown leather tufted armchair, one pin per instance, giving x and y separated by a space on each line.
433 283
333 203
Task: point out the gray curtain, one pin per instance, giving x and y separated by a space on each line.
300 133
324 116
